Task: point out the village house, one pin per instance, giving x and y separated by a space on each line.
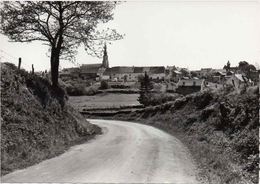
91 71
132 74
204 72
138 72
234 69
118 73
196 73
69 73
187 86
101 71
157 73
218 75
175 73
239 81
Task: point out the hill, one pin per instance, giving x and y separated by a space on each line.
36 121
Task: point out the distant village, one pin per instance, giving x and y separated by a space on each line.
175 78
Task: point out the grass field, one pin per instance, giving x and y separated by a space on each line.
104 100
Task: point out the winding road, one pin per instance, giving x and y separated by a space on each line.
126 152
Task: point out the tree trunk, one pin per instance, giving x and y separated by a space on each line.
55 59
55 53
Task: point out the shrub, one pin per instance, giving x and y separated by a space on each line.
228 88
202 100
207 112
247 143
145 90
179 103
190 121
42 88
103 85
254 90
144 98
118 86
91 91
160 98
76 90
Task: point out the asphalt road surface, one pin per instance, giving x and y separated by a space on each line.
125 153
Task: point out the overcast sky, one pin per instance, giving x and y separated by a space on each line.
185 34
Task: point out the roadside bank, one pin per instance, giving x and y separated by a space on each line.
220 130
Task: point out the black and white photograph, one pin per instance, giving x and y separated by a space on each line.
149 91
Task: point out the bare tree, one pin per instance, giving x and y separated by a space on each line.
64 26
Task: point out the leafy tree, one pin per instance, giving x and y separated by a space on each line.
246 68
145 89
242 65
62 25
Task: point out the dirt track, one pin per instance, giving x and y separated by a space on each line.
125 152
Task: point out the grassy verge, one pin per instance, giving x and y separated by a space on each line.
36 121
221 131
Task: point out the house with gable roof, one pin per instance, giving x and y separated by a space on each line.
239 81
187 86
132 74
157 73
118 73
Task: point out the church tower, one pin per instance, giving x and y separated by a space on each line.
105 57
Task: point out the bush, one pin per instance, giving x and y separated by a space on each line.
179 103
91 91
76 90
228 88
103 85
145 90
207 112
160 98
202 100
118 86
248 145
81 90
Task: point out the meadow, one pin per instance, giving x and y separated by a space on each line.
104 101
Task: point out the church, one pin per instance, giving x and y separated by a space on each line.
94 71
101 71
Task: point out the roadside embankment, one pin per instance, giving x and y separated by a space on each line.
36 121
220 129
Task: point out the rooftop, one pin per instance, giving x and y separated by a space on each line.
189 82
90 68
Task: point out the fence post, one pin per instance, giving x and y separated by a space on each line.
19 63
32 69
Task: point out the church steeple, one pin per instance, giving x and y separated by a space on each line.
105 57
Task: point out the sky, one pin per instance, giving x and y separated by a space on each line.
190 34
